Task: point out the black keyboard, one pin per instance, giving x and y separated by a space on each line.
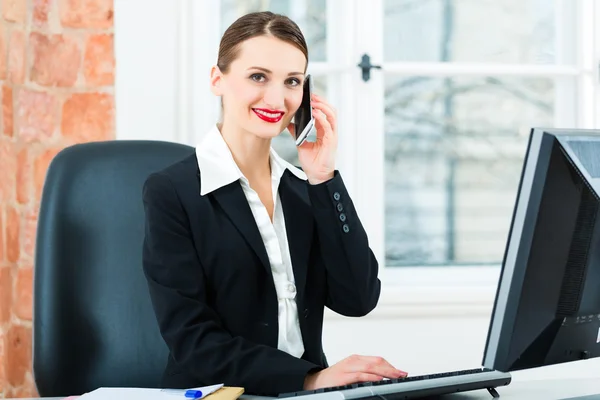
391 382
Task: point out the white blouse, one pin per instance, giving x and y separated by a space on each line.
217 169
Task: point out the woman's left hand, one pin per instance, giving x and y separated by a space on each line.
318 158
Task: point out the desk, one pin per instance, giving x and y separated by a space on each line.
555 389
582 389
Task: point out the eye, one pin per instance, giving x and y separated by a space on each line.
258 77
293 81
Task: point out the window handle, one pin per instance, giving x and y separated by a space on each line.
366 66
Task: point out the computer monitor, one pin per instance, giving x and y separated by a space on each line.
547 306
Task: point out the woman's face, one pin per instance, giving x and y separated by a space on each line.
262 89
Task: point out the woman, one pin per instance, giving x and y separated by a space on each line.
243 251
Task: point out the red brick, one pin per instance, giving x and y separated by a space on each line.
3 383
21 392
5 294
24 293
14 10
29 232
40 12
88 117
40 168
36 114
91 14
99 61
28 389
13 230
24 176
56 60
8 168
7 110
16 57
2 227
3 53
18 348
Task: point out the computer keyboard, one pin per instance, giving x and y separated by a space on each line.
411 386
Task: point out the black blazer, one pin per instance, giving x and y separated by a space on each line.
211 284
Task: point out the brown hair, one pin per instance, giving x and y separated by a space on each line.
258 24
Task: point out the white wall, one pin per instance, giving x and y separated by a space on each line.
146 71
418 328
162 71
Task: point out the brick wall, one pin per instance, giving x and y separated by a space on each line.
57 77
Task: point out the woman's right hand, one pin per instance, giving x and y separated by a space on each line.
353 369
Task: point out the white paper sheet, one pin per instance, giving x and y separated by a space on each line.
206 390
144 394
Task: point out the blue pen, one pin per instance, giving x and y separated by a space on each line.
189 393
193 394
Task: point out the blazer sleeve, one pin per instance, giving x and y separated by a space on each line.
191 329
353 287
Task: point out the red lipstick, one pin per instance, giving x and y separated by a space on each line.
268 115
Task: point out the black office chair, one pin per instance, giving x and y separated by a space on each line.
93 322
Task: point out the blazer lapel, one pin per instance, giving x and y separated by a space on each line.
233 201
299 226
298 222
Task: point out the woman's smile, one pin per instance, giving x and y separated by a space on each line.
271 116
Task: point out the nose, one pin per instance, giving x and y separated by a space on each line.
274 97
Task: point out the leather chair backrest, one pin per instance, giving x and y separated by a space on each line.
93 323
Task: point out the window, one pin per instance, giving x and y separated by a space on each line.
462 83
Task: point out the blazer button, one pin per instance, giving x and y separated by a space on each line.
340 207
342 217
306 313
346 228
336 196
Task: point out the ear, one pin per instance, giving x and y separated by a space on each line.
216 79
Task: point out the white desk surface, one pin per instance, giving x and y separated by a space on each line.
555 389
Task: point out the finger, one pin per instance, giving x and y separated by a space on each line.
325 104
307 146
322 100
381 366
323 126
358 377
354 377
328 111
378 366
318 116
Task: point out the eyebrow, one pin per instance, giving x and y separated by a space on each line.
269 71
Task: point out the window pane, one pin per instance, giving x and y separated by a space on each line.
310 15
283 144
506 31
453 156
